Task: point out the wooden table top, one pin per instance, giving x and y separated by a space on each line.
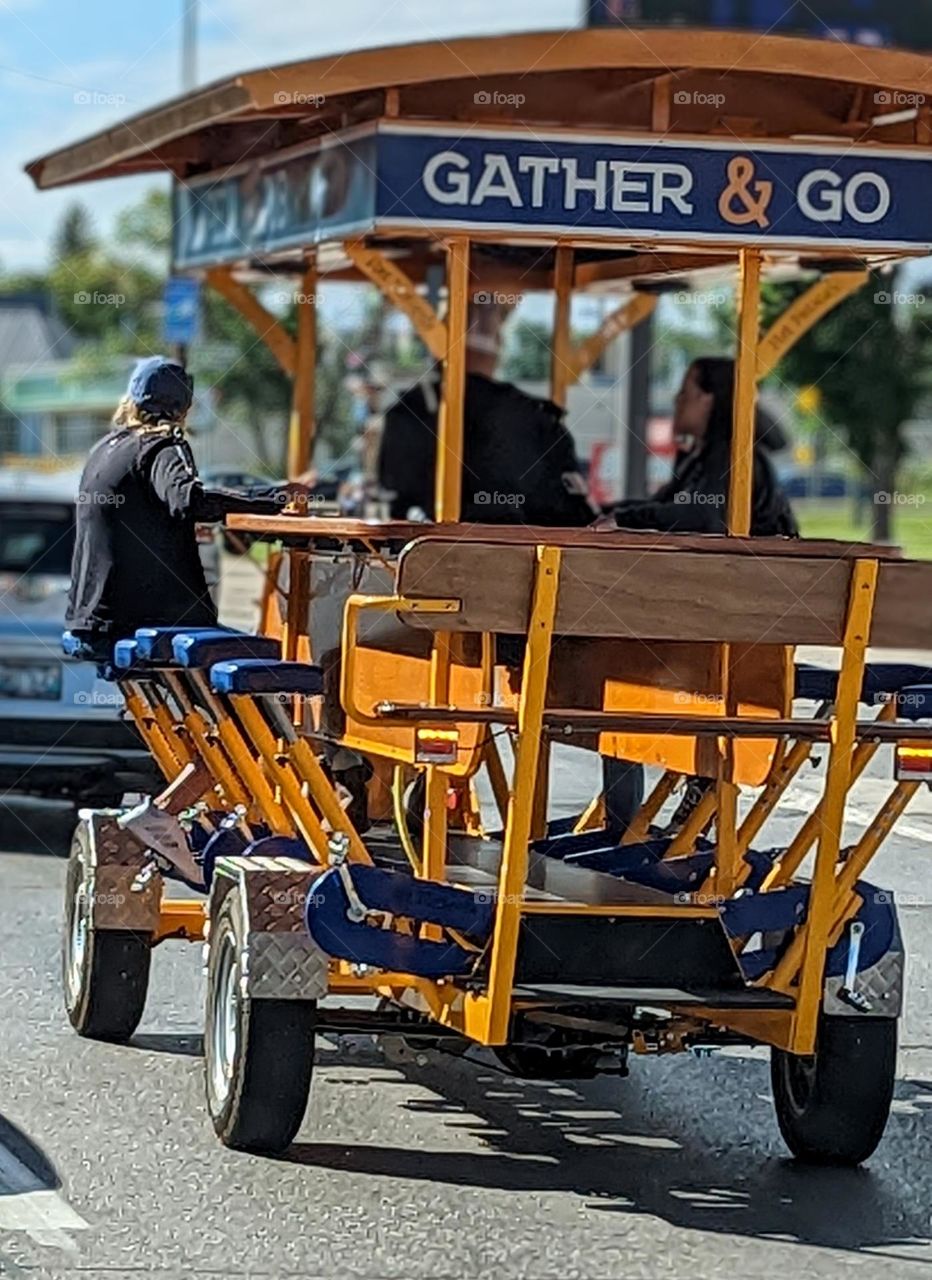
311 529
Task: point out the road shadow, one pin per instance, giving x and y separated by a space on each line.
23 1166
179 1046
30 825
692 1143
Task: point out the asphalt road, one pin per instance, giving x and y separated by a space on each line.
109 1167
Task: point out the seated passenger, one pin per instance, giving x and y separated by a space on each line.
696 499
519 463
136 561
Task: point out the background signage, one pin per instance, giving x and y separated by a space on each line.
298 199
906 23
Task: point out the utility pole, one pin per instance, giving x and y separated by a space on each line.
188 45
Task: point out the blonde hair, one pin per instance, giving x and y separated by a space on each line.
128 414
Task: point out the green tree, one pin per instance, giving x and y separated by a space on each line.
869 359
75 233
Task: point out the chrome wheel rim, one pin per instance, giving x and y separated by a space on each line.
78 940
224 1013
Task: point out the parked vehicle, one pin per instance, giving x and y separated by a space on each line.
62 732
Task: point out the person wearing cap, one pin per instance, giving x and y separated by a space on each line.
136 561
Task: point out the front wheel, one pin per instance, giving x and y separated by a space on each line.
105 972
258 1054
832 1108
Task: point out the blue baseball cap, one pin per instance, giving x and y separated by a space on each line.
161 387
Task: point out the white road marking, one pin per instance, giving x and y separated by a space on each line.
27 1204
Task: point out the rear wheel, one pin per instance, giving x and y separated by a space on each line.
258 1054
832 1108
105 972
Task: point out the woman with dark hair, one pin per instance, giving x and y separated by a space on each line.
695 500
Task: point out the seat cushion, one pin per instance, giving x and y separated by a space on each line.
155 643
204 648
126 655
256 675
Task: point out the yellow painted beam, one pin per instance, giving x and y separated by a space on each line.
804 314
278 340
620 321
395 285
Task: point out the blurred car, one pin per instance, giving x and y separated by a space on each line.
811 483
62 732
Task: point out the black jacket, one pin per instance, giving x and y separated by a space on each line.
696 499
136 560
519 463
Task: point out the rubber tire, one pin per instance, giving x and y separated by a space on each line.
834 1108
273 1060
108 999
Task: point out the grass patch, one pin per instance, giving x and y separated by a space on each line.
912 525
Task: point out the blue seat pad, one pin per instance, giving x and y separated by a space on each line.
155 643
880 679
205 648
256 675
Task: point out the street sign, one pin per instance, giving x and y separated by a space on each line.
182 310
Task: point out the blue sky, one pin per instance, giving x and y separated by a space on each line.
70 67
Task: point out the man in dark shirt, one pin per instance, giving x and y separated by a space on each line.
136 560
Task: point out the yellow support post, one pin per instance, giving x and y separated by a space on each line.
436 819
513 871
844 727
561 358
449 476
301 427
746 364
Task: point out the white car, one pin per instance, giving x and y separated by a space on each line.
62 731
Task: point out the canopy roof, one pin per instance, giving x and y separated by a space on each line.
727 83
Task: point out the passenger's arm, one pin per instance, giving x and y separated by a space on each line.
175 481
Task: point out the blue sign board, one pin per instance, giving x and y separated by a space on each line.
623 188
607 186
303 197
182 299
